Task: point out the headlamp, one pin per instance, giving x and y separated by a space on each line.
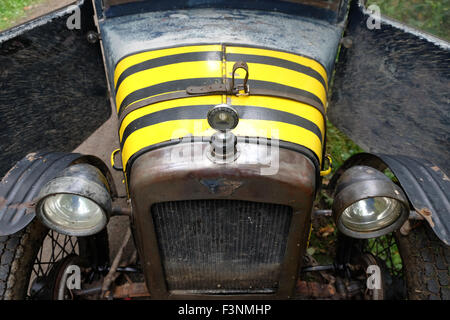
368 204
77 202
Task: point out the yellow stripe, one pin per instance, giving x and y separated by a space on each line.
281 55
182 70
169 130
144 56
283 76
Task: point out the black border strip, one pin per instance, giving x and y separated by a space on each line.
277 62
167 60
200 112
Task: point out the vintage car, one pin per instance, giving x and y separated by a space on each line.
203 124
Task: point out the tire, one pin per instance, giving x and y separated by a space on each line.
426 262
17 256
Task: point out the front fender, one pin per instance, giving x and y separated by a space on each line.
425 184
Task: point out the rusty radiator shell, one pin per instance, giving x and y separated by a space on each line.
157 177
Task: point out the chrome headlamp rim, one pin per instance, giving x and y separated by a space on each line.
89 184
361 183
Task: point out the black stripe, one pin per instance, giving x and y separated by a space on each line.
201 111
184 83
250 58
165 87
166 60
281 89
261 113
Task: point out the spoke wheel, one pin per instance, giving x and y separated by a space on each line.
55 249
386 249
387 254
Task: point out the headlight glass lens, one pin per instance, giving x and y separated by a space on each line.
371 214
73 212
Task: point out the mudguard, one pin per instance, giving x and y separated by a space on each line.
22 184
391 89
24 180
425 184
53 91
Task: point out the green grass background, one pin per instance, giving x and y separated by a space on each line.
432 16
13 10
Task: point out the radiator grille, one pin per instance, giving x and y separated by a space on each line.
221 246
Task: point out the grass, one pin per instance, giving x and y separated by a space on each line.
11 11
432 16
339 146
